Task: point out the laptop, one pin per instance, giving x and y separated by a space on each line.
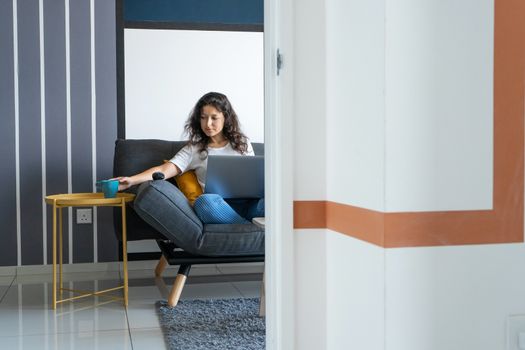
235 176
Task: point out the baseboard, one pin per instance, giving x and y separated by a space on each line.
7 271
238 268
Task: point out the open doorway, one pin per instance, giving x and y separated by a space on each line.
243 72
278 128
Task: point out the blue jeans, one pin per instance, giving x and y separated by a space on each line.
213 209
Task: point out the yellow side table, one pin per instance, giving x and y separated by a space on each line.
59 201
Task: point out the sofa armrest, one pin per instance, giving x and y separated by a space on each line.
164 207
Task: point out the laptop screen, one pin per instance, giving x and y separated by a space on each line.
235 176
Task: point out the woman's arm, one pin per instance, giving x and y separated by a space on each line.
168 169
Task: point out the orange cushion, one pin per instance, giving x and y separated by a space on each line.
188 185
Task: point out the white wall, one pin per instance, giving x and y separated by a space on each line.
339 283
355 61
409 104
335 308
439 108
167 71
309 179
355 273
453 298
311 289
351 294
310 91
409 123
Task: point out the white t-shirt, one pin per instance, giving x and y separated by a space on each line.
189 158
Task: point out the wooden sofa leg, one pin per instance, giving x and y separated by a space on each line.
161 265
176 290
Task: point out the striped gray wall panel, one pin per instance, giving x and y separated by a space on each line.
56 133
56 145
30 138
81 136
8 248
105 58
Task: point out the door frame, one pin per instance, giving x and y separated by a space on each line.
279 144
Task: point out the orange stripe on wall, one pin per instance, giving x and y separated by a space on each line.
364 224
503 224
367 225
309 214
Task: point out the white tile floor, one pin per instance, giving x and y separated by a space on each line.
27 321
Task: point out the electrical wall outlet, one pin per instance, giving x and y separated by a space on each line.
84 216
516 332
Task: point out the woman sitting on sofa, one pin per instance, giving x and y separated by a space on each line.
213 129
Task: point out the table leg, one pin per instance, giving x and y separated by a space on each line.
125 252
54 303
60 250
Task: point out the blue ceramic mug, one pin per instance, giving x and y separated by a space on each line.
109 187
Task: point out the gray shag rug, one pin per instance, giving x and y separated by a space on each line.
213 324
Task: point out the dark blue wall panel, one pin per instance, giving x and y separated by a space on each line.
30 137
80 51
106 85
192 11
7 136
56 133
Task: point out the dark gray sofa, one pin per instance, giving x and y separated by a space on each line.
161 212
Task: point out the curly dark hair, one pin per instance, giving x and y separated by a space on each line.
231 130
